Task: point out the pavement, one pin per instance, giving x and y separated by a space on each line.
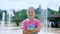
17 30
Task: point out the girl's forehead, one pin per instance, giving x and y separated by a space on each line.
30 9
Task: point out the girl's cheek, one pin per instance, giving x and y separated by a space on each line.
30 14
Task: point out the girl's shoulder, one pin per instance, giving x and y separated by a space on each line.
37 19
34 19
25 19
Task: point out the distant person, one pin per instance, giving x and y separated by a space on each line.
31 25
59 23
52 24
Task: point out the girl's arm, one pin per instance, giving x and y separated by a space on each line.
34 30
23 26
26 32
37 29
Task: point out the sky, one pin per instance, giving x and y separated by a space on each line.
24 4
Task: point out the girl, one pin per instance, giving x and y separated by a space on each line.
31 25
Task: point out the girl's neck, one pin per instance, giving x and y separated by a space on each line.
31 18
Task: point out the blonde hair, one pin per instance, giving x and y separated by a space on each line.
30 8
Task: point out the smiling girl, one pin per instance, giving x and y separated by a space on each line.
31 25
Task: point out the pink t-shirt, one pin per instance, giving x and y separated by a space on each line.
30 22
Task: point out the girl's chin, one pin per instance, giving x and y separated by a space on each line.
30 17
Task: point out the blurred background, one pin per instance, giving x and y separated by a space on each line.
13 12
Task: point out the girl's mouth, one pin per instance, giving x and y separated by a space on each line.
30 15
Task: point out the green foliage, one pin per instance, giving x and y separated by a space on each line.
37 10
50 11
59 9
0 14
21 15
37 16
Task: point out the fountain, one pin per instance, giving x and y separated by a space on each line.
9 21
49 26
3 27
10 14
2 23
46 20
43 17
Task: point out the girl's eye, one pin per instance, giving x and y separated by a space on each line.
28 12
32 12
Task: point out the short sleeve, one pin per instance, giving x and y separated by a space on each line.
24 24
38 23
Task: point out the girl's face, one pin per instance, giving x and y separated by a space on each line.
30 13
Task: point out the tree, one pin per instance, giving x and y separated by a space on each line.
59 9
19 16
0 14
50 11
